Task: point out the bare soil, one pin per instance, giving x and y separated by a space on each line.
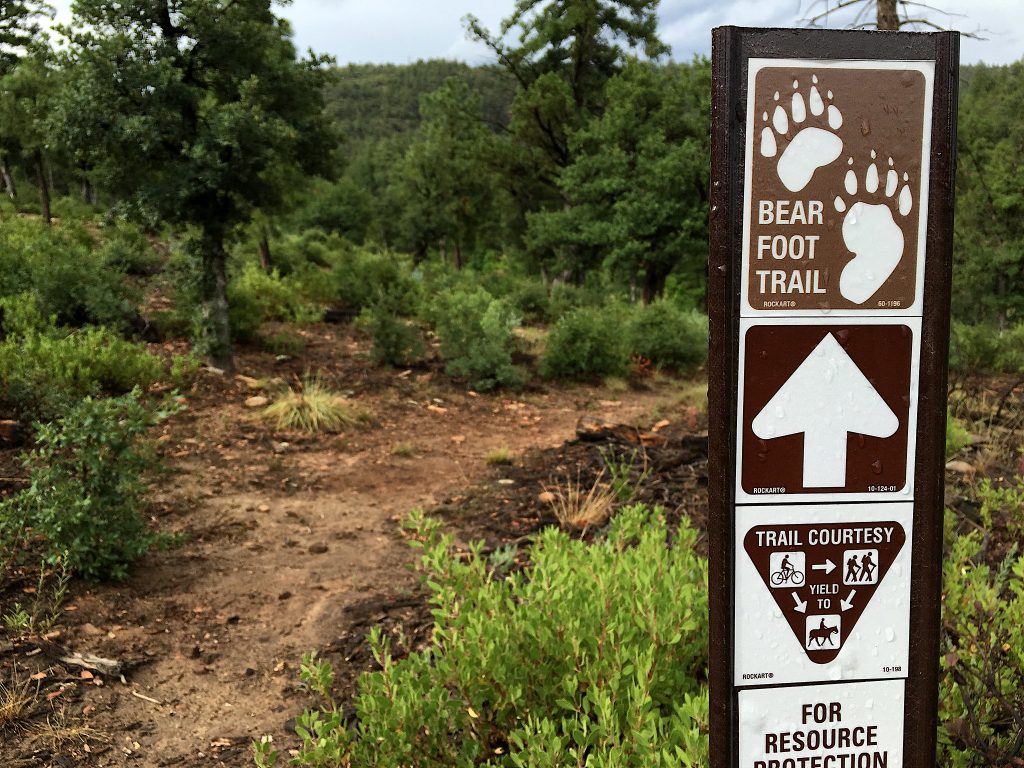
289 543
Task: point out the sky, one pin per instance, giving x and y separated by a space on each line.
403 31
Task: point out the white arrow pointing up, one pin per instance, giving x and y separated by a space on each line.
826 397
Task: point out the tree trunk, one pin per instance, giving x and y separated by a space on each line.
264 247
887 17
216 327
44 187
88 194
8 180
654 284
458 255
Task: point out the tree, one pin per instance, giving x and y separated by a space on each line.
186 110
637 191
443 190
26 95
19 29
563 54
890 15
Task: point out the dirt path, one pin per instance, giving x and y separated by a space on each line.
285 540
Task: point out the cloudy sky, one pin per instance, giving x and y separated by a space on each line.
402 31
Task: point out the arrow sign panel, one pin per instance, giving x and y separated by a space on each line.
827 409
826 398
823 575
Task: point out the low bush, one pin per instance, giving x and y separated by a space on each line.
85 496
66 271
985 349
126 249
396 341
477 340
595 655
587 343
981 696
671 338
284 344
255 297
362 277
46 369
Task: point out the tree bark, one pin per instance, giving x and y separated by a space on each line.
264 248
216 326
44 187
8 180
887 18
654 284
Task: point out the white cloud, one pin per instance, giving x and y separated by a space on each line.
401 31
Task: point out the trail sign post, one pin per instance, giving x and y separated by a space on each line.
831 242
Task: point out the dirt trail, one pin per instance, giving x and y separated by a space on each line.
283 537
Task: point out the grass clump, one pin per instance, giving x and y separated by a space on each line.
314 408
578 505
499 456
18 701
596 654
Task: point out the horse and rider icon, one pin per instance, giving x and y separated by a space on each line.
861 566
823 632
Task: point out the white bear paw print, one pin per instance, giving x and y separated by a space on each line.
870 231
812 147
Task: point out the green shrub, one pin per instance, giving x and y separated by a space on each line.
85 495
286 344
255 297
985 349
396 341
45 369
126 249
66 272
981 692
671 338
587 343
476 332
957 436
595 656
362 277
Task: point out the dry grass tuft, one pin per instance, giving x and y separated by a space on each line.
65 730
498 456
313 408
17 701
578 506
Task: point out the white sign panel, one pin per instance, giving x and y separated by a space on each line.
854 725
822 593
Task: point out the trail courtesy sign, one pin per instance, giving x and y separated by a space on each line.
832 168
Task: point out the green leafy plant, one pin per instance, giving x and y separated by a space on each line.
587 343
593 656
621 467
286 344
47 602
671 338
981 697
477 339
396 341
255 297
85 497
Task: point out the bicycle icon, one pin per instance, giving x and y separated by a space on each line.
787 569
787 576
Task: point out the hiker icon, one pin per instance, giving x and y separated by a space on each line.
823 632
787 569
861 566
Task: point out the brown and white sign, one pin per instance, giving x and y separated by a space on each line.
822 592
827 410
837 186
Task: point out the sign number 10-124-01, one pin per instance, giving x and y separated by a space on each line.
831 228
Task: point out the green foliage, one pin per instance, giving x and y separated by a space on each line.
126 249
85 495
587 343
477 339
198 118
983 348
596 655
671 338
286 344
981 695
396 341
363 277
957 435
72 279
254 297
45 368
